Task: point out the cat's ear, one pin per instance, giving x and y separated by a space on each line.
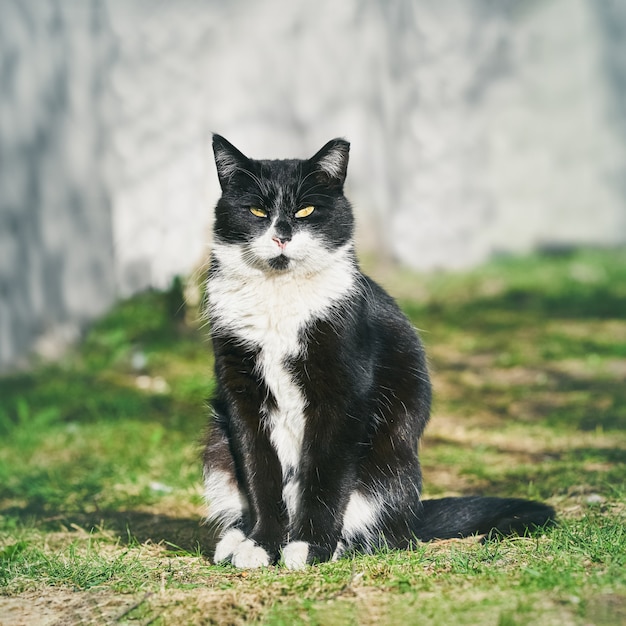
332 161
228 160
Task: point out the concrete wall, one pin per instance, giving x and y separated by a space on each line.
56 244
476 127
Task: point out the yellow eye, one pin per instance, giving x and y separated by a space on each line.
258 212
305 212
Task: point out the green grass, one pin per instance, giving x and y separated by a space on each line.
100 478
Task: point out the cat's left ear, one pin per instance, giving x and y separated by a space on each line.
228 160
332 161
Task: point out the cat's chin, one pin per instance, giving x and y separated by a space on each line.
279 263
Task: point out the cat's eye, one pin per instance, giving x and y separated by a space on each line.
305 212
258 212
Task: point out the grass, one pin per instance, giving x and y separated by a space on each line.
100 479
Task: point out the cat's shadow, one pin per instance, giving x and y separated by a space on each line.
178 534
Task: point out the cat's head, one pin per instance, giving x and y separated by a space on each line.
283 215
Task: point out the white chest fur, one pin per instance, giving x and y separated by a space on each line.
269 312
261 308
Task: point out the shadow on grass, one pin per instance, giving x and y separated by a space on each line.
511 472
590 303
582 470
559 400
178 534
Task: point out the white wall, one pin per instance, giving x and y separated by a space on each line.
476 127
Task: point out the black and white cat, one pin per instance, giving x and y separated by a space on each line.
322 385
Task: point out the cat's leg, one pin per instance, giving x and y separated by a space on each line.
317 546
226 509
267 513
316 530
227 504
359 529
229 508
245 478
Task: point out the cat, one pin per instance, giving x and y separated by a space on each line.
323 389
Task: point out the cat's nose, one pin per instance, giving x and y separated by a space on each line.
281 242
282 233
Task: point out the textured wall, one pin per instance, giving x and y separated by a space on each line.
511 140
476 127
56 250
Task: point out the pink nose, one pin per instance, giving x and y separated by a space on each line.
281 243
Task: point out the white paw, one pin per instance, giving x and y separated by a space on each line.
249 554
227 545
295 554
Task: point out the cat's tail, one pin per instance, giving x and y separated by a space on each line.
449 518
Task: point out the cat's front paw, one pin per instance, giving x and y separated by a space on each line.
295 554
299 554
250 554
242 552
227 545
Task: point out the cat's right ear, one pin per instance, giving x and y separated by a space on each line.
228 160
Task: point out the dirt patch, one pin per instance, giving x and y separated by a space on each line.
606 609
208 606
62 607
